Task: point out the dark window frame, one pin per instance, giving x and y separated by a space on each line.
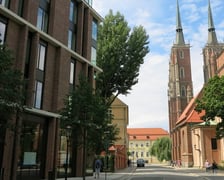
214 144
5 22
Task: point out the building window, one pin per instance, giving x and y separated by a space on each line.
72 70
72 25
136 145
71 40
72 12
182 74
183 91
20 8
43 15
142 154
38 94
41 56
147 144
2 30
90 2
147 154
214 143
136 154
142 145
93 55
94 30
4 3
181 54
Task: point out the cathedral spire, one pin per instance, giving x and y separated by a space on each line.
212 39
179 30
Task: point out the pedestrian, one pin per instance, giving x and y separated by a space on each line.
98 165
207 165
214 166
179 163
129 162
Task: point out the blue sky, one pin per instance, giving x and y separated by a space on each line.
148 103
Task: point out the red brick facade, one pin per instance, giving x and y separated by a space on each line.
23 38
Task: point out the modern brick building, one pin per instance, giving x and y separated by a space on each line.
53 41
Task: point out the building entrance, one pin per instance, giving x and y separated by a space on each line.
32 149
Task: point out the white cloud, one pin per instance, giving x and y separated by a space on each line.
148 103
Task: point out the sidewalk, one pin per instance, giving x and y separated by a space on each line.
200 171
119 174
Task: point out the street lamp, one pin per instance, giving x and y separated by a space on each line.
106 147
68 136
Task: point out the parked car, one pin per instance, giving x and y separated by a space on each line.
140 163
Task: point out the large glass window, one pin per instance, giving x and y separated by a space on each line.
42 19
94 30
70 39
2 31
41 57
38 94
20 7
72 25
72 12
72 70
93 55
31 150
4 2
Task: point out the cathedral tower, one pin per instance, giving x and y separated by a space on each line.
180 90
211 50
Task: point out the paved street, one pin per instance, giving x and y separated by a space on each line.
158 172
154 172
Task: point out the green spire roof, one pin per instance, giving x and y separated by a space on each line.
212 39
179 30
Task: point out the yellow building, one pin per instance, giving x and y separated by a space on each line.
140 141
120 118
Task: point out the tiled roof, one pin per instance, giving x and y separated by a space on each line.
189 114
146 133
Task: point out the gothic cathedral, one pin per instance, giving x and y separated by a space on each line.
180 87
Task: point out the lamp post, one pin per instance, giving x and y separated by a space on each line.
68 136
106 147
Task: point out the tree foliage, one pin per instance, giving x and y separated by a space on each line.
161 149
212 101
88 116
121 51
11 86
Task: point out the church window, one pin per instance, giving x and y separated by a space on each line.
182 74
181 54
183 91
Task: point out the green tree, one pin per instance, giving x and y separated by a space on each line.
88 116
161 149
11 86
121 51
212 101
